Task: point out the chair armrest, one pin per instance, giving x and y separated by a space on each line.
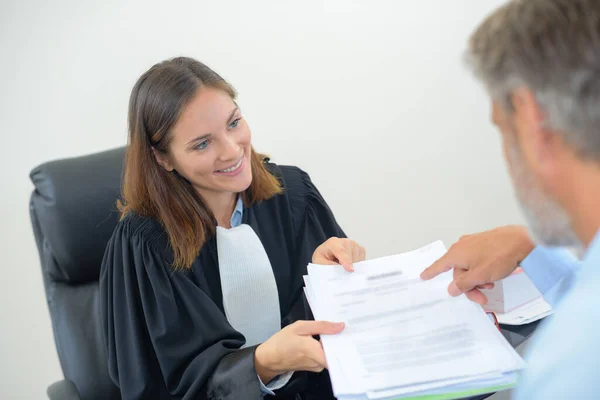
62 390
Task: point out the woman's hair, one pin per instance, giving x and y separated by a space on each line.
157 100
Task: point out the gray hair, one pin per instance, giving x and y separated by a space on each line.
552 47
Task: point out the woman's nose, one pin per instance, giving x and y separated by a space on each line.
230 150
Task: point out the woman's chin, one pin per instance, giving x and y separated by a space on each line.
241 183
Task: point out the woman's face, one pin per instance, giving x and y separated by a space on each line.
211 145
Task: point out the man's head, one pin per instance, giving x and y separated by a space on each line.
540 62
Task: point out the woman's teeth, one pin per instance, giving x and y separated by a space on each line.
231 169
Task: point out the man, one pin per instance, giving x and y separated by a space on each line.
540 62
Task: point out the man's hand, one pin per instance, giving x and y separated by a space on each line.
481 259
339 251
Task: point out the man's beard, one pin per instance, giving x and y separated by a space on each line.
548 222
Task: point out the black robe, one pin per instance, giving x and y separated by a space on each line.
166 332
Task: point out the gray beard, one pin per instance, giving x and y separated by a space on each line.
548 222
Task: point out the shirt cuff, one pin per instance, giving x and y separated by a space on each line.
276 383
547 267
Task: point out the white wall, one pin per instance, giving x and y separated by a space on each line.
370 97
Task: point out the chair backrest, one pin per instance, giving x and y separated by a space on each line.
73 213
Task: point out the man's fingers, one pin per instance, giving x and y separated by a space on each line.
476 296
310 328
438 267
458 255
453 289
486 286
461 285
468 280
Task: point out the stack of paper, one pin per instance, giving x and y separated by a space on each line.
516 301
404 337
527 313
511 293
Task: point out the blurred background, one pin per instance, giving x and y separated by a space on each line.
370 97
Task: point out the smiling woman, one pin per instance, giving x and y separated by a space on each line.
201 282
187 152
225 152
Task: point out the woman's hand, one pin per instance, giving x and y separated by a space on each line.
294 349
339 251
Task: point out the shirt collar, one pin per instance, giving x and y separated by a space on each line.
238 213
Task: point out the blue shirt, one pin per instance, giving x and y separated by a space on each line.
564 357
281 380
238 213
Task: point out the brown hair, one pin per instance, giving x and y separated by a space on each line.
156 102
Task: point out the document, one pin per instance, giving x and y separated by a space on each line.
527 313
511 293
516 301
405 337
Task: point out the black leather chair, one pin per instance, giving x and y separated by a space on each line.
73 214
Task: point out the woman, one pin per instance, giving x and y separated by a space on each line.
201 283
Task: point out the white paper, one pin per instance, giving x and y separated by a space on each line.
403 334
450 386
511 292
527 313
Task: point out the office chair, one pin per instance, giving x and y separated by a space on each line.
73 214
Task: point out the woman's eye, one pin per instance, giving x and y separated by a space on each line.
201 145
234 123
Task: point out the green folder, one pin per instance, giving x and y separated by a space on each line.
459 395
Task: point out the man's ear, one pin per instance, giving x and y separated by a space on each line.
533 138
163 160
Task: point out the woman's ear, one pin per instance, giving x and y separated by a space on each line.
163 160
